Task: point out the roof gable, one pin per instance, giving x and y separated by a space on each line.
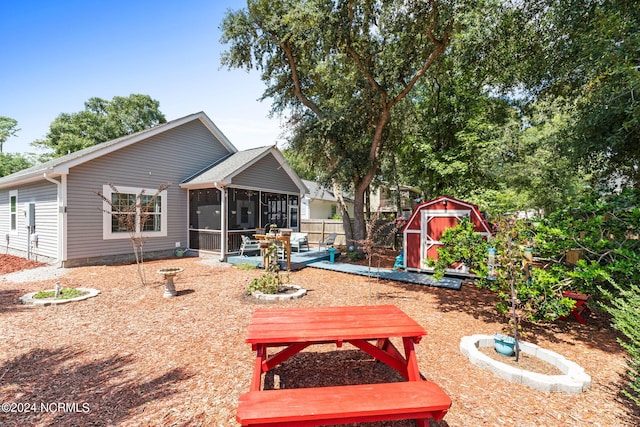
223 172
61 165
437 204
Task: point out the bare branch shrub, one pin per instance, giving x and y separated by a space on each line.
132 214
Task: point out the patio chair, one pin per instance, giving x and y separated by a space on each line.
329 241
248 245
298 241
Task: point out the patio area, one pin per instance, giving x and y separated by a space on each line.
299 260
320 259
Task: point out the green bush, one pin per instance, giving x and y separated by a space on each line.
625 309
605 229
461 244
537 298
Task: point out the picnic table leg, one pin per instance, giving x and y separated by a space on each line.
391 357
413 371
261 355
578 316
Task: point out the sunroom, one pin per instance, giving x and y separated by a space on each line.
242 195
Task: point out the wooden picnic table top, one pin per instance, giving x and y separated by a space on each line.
302 325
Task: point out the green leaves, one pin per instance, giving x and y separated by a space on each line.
8 128
11 163
461 244
101 121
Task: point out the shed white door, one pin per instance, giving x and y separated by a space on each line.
434 223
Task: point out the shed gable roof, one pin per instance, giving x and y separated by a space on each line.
475 211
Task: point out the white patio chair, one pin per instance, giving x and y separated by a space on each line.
249 245
329 241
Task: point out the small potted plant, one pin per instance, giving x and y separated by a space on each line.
504 344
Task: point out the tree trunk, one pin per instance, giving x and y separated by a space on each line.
344 212
359 223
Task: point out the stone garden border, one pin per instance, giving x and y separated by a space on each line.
30 300
575 380
299 293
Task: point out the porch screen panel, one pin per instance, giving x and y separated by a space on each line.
205 209
243 209
275 209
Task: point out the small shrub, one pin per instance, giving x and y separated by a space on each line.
65 293
271 281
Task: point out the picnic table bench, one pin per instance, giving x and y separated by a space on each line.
368 328
343 404
580 307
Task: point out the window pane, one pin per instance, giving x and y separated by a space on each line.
152 223
13 213
122 202
121 223
150 204
205 209
242 207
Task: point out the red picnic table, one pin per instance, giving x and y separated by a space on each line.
370 329
581 305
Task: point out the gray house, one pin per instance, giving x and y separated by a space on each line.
53 212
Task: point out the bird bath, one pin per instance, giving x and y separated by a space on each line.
169 274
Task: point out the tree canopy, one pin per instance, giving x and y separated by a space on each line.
342 71
8 128
101 121
11 163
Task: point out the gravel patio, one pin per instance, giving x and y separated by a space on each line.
130 357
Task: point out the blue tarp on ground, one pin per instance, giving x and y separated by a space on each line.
398 276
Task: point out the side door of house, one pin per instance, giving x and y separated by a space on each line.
294 214
434 223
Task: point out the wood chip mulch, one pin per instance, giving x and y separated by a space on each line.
130 357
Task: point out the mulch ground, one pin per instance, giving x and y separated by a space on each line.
10 263
130 357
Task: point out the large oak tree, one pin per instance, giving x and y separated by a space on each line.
341 71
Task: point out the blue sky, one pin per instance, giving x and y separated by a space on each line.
58 54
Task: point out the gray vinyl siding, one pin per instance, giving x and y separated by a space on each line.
266 174
5 219
165 158
45 196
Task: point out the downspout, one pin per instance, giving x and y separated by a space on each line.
61 214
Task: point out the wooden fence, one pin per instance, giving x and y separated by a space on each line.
386 234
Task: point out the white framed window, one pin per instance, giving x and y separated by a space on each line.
13 211
134 209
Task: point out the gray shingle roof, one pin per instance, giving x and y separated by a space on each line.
225 168
318 192
77 157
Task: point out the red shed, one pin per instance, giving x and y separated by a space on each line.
426 224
